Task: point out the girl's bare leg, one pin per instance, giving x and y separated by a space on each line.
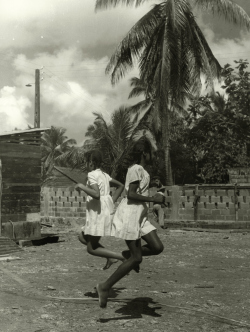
154 246
84 240
134 260
96 249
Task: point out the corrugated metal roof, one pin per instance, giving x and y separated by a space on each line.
15 132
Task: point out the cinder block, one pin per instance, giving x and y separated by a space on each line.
187 217
210 206
201 192
200 205
204 212
210 192
245 192
204 199
189 205
216 212
230 217
221 206
222 192
230 192
67 204
244 206
227 199
215 199
189 192
225 212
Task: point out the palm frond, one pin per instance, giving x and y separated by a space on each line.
104 4
132 45
227 9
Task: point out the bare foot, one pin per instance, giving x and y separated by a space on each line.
103 296
109 262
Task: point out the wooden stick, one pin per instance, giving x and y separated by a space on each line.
69 177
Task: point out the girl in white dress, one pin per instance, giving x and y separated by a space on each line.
130 220
99 208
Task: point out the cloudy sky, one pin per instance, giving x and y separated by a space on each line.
71 45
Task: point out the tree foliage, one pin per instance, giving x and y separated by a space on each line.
219 133
172 53
54 143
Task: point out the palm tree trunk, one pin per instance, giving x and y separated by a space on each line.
165 111
166 145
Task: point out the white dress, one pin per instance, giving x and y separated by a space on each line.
98 212
130 220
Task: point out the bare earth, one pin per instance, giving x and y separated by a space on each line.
199 283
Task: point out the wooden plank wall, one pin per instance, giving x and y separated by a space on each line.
21 181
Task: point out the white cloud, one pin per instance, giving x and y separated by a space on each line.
62 23
73 87
12 110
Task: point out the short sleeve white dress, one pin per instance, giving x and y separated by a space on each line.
130 220
98 212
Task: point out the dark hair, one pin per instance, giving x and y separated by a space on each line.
142 145
95 156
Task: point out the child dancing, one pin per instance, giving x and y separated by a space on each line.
99 208
130 220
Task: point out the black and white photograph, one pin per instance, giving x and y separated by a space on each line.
124 165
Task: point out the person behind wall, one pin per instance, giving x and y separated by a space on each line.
158 209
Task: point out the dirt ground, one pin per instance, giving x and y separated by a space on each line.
199 283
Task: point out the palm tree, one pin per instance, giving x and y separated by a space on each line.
172 53
114 139
54 143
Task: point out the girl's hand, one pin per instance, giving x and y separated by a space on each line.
78 187
158 198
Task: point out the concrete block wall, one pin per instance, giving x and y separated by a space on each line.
63 205
189 206
210 205
239 175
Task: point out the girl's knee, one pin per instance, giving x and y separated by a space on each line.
158 249
137 260
82 238
90 250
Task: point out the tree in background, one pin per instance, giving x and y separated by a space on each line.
54 143
172 53
219 133
115 140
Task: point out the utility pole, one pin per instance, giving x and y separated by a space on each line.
37 99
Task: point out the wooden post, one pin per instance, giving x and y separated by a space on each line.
196 200
37 99
0 197
236 202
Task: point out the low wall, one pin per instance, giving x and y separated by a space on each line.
63 206
214 206
208 206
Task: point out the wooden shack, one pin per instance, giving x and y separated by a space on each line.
20 183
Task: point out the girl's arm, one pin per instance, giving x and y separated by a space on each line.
119 189
92 191
132 195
